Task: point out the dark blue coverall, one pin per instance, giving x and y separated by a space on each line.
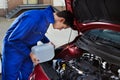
24 33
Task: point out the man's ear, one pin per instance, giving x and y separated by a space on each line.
62 20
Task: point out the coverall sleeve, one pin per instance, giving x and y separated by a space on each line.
23 29
45 40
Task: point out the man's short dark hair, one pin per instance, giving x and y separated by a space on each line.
68 16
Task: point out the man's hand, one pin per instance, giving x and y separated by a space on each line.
34 59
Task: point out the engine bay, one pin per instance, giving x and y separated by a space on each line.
87 67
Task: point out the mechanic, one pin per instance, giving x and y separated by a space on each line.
25 31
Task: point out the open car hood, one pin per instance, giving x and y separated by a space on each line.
95 14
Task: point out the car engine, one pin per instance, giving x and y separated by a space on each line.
87 67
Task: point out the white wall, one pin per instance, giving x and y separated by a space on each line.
60 37
3 4
58 2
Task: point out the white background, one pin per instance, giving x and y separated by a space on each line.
3 4
58 2
60 37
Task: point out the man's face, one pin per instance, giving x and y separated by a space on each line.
59 24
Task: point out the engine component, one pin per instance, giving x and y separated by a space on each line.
87 67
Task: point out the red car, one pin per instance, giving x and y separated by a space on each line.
95 52
99 23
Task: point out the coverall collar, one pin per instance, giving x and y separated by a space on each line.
49 14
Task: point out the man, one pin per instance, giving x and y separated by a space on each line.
25 31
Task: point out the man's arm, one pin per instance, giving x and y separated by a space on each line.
18 35
45 40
